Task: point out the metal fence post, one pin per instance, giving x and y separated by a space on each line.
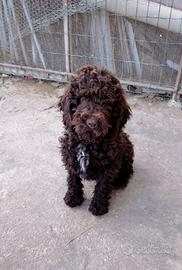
178 82
66 36
12 43
12 9
33 33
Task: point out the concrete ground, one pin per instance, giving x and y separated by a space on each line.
142 231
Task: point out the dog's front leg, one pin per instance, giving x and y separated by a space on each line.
74 194
100 201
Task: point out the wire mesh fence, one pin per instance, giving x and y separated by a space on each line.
139 40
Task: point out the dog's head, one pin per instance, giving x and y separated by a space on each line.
93 104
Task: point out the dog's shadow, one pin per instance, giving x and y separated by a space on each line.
126 199
89 187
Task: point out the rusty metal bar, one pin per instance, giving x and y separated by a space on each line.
47 74
37 73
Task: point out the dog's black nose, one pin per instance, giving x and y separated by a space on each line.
91 122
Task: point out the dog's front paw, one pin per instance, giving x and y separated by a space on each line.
98 209
72 199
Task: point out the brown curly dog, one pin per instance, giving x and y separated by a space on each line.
94 146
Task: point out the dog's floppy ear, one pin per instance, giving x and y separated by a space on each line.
60 103
121 106
62 99
63 105
125 111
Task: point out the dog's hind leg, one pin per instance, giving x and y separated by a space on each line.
121 181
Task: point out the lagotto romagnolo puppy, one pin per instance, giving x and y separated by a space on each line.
94 146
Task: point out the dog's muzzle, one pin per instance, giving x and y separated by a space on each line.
91 126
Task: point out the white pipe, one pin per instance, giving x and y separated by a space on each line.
172 65
134 50
148 12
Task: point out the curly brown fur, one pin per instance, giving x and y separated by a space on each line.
94 146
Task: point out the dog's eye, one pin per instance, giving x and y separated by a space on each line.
97 101
74 102
83 99
73 107
110 108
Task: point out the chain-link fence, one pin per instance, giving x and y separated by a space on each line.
139 40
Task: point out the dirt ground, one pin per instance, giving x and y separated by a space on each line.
142 231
